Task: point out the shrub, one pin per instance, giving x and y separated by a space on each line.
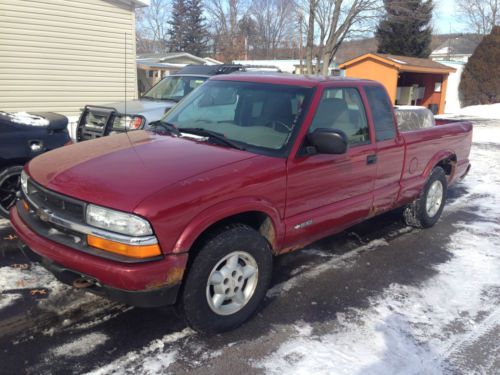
480 83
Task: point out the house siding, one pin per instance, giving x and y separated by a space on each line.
59 55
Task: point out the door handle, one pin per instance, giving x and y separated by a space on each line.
371 159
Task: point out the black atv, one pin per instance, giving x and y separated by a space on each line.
22 137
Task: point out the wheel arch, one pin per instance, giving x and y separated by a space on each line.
445 159
13 163
258 215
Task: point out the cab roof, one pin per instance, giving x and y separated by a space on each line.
287 79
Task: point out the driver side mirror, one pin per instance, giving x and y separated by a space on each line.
328 141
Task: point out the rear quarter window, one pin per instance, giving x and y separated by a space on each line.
381 109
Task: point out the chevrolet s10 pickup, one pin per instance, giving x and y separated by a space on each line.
245 168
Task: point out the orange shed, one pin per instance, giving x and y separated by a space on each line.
408 80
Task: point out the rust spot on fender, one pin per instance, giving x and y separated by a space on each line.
174 276
267 230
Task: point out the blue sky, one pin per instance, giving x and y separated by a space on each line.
446 16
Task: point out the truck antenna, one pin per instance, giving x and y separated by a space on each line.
125 76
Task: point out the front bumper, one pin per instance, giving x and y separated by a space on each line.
144 284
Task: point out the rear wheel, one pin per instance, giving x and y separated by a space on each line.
227 280
425 211
10 184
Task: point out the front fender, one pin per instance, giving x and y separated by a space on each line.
224 210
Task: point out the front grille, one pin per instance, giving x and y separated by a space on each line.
65 207
95 122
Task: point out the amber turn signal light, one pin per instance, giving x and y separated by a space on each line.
25 205
132 251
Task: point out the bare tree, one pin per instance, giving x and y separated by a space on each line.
152 25
324 11
336 20
481 15
224 17
310 36
302 26
273 19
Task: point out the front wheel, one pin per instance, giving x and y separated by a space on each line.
227 280
425 211
10 184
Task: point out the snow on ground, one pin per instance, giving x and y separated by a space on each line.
15 278
152 359
81 346
419 329
487 111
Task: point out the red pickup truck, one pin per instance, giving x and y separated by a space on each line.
244 168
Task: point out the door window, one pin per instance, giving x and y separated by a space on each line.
381 108
342 109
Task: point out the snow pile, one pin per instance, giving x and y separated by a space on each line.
420 329
81 346
25 118
487 111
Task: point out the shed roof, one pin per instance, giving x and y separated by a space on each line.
403 63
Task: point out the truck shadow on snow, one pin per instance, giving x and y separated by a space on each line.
311 285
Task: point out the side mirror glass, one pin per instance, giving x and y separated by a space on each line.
328 141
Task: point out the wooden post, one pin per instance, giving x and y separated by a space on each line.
442 100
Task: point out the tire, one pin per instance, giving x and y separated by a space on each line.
220 293
10 183
425 211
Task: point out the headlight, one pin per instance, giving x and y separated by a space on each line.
116 221
24 182
127 122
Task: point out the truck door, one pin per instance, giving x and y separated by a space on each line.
326 193
389 149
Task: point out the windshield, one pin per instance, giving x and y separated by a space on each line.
174 87
262 116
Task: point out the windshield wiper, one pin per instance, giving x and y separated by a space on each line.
211 134
171 128
171 99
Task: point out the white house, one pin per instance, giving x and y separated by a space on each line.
455 49
58 55
152 67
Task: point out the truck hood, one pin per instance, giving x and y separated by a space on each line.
141 106
122 170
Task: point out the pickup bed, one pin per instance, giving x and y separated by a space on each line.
245 168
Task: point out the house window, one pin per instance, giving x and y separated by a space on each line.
437 87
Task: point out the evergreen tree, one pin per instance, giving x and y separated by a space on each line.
187 27
177 29
196 31
405 28
480 82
